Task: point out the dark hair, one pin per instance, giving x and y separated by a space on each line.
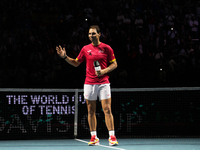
95 27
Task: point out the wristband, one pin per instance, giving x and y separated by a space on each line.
65 57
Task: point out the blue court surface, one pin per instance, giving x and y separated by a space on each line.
124 144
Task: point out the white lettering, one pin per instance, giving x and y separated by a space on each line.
23 99
9 98
25 110
41 107
32 109
64 109
45 98
48 110
51 99
56 109
63 99
16 99
35 99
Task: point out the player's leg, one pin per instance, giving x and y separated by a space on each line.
106 106
90 95
91 107
92 121
105 97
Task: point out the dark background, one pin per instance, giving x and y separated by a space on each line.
30 31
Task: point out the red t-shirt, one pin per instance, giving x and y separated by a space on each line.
102 53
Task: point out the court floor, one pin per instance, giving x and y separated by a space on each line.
124 144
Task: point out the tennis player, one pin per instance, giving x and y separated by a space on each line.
97 83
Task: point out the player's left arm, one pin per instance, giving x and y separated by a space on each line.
111 67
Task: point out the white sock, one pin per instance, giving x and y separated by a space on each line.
111 132
93 133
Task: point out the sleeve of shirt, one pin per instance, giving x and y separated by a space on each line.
81 56
111 55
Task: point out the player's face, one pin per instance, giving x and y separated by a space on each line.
93 35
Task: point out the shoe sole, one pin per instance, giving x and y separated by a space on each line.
113 144
93 144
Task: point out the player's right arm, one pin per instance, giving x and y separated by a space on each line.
62 53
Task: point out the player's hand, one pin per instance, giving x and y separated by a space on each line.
100 72
61 51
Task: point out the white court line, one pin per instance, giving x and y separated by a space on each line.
100 145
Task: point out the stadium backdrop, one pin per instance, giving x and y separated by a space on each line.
147 112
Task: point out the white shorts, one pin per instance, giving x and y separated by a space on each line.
101 90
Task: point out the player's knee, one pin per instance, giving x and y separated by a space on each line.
107 110
91 112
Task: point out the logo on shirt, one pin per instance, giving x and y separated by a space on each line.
101 50
89 52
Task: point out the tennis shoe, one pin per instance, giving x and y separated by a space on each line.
113 141
93 141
